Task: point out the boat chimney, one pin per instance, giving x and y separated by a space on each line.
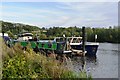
95 37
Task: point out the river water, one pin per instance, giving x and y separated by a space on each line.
103 65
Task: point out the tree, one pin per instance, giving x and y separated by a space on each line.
42 36
11 35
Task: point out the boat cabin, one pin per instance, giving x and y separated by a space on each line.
25 37
69 39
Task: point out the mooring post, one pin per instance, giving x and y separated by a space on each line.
83 47
83 41
3 34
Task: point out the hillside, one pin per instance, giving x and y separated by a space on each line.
17 28
103 34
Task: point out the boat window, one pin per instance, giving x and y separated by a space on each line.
27 35
23 35
74 40
78 40
60 39
70 40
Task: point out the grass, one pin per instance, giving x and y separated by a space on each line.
28 64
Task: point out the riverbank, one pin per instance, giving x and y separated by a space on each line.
27 64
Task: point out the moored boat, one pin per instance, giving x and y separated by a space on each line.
59 44
76 43
25 36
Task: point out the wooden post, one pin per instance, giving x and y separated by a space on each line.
83 36
64 38
3 33
83 47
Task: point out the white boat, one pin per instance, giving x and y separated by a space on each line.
76 43
25 36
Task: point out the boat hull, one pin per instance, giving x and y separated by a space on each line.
91 49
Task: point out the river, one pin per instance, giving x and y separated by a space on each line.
104 65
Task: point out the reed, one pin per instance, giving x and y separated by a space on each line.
28 64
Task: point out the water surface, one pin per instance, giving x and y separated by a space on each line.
103 65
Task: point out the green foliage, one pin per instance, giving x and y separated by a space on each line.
104 34
42 36
17 28
27 64
16 67
10 34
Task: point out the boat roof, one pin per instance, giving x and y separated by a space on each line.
69 37
25 34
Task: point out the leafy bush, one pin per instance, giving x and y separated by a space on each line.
28 64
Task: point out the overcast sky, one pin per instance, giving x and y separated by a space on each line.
64 14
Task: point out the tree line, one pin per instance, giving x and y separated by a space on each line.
110 34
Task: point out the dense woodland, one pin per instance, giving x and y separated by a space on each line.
110 34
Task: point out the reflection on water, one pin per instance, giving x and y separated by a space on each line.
89 62
91 59
103 65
